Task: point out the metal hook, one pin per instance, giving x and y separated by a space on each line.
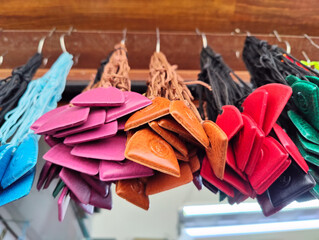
62 42
288 47
311 41
277 36
124 36
2 57
204 39
237 53
158 41
236 31
41 42
306 57
45 61
76 59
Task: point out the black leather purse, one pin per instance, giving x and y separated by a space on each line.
291 184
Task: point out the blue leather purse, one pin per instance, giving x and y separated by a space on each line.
18 156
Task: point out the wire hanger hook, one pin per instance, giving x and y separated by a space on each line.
288 47
306 56
42 40
158 40
62 42
2 57
311 41
204 39
124 36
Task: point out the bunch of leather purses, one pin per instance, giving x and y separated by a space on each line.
17 169
262 160
306 98
87 147
166 137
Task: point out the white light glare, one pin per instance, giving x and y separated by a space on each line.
252 228
241 208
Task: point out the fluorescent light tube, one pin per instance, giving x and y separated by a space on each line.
219 209
252 228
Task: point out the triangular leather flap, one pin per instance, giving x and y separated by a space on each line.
148 148
158 108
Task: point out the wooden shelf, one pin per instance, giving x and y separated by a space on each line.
135 74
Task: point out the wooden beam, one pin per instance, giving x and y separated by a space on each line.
257 16
135 74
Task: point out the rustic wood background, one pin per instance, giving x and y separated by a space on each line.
257 16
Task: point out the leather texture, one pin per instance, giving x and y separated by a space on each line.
255 153
149 149
161 182
181 157
306 98
107 130
208 174
274 162
47 116
244 141
232 163
51 141
99 201
113 171
291 184
217 152
170 124
266 206
278 96
186 117
170 137
23 160
5 156
76 184
237 182
95 119
61 155
133 191
230 121
99 97
67 118
63 203
106 149
210 186
255 106
305 129
52 174
101 187
58 188
18 189
88 208
43 175
197 180
238 198
307 155
308 146
194 163
290 147
159 108
133 102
